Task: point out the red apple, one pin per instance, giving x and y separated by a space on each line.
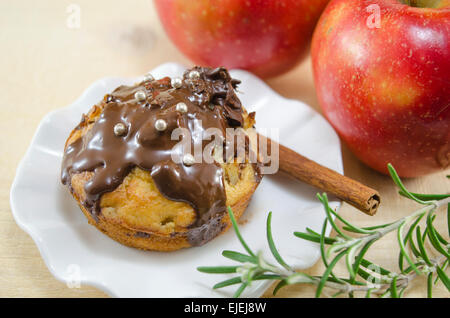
382 75
266 37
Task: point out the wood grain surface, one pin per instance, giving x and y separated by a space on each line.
46 64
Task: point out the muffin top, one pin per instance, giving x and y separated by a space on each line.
135 128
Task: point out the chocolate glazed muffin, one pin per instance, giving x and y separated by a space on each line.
118 162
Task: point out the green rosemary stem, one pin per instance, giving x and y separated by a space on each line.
402 279
394 226
364 276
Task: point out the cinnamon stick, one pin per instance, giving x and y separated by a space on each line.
353 192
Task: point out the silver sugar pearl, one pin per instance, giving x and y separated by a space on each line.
120 129
148 77
140 95
160 125
176 82
188 159
193 75
181 107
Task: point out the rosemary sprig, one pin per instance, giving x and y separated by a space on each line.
422 253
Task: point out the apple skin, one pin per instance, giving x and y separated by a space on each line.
266 37
386 90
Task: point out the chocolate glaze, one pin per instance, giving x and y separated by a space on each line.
211 103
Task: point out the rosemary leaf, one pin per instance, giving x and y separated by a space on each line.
322 243
403 249
280 285
327 273
311 231
376 227
324 199
444 266
239 257
217 269
238 233
367 276
228 282
359 259
399 183
426 197
271 243
440 238
406 239
444 278
431 232
312 238
240 290
348 226
379 269
413 247
350 258
420 243
238 280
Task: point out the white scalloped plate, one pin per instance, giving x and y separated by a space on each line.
46 211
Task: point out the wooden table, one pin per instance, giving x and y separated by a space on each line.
46 63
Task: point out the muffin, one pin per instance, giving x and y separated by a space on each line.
133 162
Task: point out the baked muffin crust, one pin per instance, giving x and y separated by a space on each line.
126 181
